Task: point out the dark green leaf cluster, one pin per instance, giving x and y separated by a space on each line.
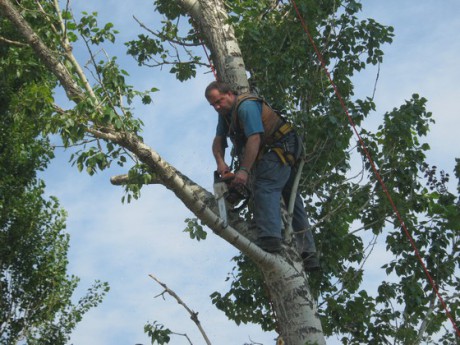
158 333
407 299
195 230
35 290
89 30
152 49
247 299
286 69
171 9
138 176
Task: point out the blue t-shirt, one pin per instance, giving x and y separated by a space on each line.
249 118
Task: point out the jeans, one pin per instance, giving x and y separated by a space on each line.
273 180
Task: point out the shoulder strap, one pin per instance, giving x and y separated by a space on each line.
234 122
240 99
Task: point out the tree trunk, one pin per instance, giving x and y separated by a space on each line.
212 21
297 317
295 309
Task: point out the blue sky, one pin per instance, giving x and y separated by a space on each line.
124 243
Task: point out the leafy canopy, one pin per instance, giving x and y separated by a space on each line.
36 291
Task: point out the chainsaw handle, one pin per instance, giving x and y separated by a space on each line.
225 177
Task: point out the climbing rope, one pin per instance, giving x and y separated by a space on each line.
374 168
211 65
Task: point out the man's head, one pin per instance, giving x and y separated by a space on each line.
221 96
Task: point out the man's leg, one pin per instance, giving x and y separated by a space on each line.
270 177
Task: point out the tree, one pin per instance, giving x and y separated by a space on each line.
35 289
335 201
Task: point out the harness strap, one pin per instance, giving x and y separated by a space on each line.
282 131
286 157
275 128
280 153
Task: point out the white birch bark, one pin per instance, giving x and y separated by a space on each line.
295 309
211 18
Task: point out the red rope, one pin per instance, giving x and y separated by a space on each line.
198 33
374 168
209 59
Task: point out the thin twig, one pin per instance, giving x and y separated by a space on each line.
180 42
15 43
193 315
376 81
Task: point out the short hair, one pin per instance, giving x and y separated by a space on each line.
220 86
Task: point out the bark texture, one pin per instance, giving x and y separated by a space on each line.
295 309
212 20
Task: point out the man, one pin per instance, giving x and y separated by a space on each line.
266 146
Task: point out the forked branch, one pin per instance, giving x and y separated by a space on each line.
193 315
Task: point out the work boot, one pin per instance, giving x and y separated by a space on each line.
269 244
310 262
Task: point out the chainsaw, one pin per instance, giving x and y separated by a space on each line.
227 191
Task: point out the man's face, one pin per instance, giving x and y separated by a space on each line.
221 102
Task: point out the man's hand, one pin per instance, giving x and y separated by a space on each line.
222 169
241 177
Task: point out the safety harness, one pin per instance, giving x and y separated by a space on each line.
275 128
283 152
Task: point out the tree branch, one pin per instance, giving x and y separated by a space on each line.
69 55
14 43
122 180
164 63
426 320
180 42
193 315
43 52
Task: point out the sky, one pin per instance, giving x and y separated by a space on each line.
124 243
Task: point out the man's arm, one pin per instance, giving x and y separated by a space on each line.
250 118
218 150
251 151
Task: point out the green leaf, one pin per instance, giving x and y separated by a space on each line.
195 230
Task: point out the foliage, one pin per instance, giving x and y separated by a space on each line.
247 300
157 333
35 290
195 230
110 84
150 50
